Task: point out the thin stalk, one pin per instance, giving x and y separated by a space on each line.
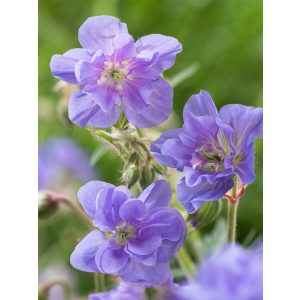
185 263
232 220
77 210
105 136
45 287
232 214
99 282
58 198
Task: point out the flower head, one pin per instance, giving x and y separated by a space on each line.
111 69
210 149
135 291
124 291
135 238
232 274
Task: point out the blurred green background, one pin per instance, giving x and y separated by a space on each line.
222 37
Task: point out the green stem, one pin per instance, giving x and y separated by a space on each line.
232 220
105 136
75 209
185 263
232 214
99 282
59 198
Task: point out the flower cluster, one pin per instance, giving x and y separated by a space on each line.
210 149
135 238
111 69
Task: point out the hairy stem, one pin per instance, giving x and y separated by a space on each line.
232 220
232 214
58 198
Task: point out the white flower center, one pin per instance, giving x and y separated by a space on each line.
114 74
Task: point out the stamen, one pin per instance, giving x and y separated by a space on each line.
115 74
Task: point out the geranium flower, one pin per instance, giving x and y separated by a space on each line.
210 149
136 291
233 274
111 69
124 291
135 238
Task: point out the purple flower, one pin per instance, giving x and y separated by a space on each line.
124 291
135 291
60 160
135 238
233 274
210 149
111 69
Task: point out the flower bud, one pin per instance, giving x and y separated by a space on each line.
47 207
207 214
130 175
147 176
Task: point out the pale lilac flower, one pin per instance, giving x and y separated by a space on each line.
135 238
124 291
112 69
62 161
210 149
134 291
233 274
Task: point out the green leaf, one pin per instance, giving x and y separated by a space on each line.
214 241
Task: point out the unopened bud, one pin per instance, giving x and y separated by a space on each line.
207 214
47 207
130 175
147 176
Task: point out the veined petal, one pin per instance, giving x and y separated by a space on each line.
96 32
246 121
204 129
104 95
83 256
121 48
132 209
175 148
244 164
83 111
193 197
111 261
143 245
109 202
165 222
132 95
156 146
200 105
89 71
158 194
136 271
167 47
87 195
147 260
142 68
152 106
63 66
